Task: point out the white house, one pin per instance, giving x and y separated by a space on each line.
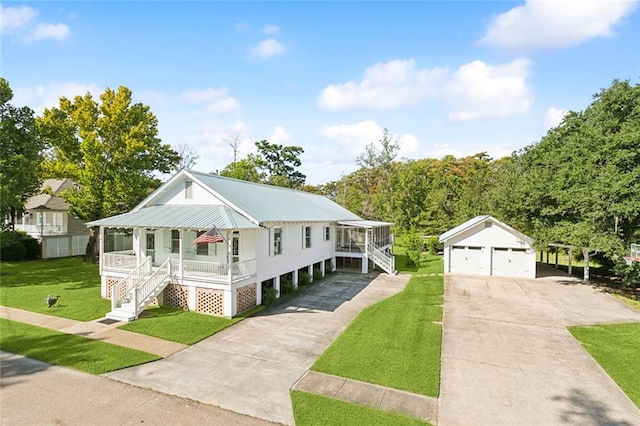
46 217
485 246
270 234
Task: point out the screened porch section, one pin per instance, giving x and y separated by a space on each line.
354 238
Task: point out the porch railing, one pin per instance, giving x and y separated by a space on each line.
120 291
213 271
120 260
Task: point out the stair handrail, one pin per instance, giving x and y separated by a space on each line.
146 287
381 258
120 290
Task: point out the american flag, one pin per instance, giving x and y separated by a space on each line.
209 237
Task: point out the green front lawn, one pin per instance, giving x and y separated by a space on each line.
615 347
25 285
319 410
67 350
396 342
180 326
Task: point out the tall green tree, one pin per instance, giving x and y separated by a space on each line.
111 148
280 164
20 156
580 185
249 169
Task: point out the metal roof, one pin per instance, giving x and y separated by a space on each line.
267 203
178 217
480 219
364 223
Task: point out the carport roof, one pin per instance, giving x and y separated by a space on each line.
480 219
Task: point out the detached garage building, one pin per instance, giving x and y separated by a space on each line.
486 246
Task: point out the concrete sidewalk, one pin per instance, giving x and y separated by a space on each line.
101 329
370 395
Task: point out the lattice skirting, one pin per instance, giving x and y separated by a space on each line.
210 301
111 281
246 298
176 296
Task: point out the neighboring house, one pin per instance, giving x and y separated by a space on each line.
269 234
485 246
46 217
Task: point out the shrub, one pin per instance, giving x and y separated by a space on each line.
413 244
328 269
433 244
286 286
15 251
317 274
630 274
269 295
304 279
32 247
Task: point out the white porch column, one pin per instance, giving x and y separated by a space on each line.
276 285
180 257
310 272
136 245
230 256
228 299
365 259
322 268
295 278
101 247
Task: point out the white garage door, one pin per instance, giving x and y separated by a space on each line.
510 262
467 260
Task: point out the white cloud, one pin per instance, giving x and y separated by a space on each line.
216 100
555 24
279 135
478 90
16 19
268 48
553 117
46 96
21 22
241 26
53 31
475 91
352 139
384 85
271 29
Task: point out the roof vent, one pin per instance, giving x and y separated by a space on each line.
488 224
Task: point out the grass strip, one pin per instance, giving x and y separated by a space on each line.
615 348
181 326
633 303
312 410
25 285
68 350
394 343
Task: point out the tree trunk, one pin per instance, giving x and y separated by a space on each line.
92 245
585 254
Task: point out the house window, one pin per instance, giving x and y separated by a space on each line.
175 241
235 247
277 241
327 233
307 237
188 189
202 249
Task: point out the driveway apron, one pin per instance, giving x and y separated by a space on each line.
508 358
250 367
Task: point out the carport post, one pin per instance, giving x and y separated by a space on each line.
547 255
557 258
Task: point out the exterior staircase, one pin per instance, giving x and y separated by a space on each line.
133 293
382 259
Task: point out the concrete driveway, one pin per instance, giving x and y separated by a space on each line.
250 367
508 359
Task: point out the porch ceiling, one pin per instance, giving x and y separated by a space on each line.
178 217
365 223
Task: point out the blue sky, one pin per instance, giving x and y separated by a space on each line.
444 77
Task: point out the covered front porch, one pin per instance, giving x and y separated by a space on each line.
152 255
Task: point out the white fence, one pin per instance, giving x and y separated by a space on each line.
69 245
